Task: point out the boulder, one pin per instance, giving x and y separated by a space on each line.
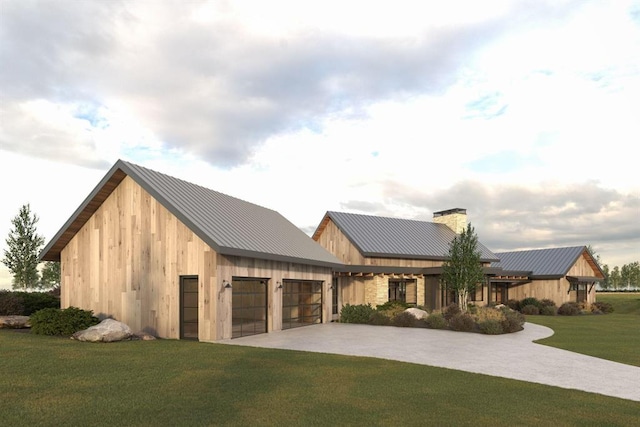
417 313
108 330
14 322
143 336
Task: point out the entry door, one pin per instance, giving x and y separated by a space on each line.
248 307
189 307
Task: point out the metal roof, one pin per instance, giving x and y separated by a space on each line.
376 236
228 225
549 263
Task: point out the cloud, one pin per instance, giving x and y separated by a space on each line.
216 87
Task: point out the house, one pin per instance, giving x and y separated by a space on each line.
558 274
178 260
389 259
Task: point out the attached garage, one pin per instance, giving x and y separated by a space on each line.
301 303
248 307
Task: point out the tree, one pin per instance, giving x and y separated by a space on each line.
50 275
23 243
462 271
614 278
605 283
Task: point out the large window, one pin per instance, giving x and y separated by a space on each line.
334 296
403 290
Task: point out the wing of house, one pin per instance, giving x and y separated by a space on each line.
391 258
183 261
559 274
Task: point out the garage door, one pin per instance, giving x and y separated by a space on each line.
301 303
249 307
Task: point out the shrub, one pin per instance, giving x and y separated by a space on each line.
549 310
530 309
547 303
53 321
392 305
450 311
489 313
604 307
513 304
569 309
35 301
530 301
436 321
491 327
462 322
10 304
513 321
403 320
379 318
356 313
472 309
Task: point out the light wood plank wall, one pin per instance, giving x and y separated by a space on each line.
126 262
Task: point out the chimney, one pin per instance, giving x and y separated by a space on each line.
455 219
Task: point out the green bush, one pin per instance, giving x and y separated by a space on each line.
10 304
530 301
390 305
547 303
549 310
450 311
378 318
491 327
513 321
569 309
436 321
604 307
530 309
462 322
53 321
513 304
403 320
356 313
35 301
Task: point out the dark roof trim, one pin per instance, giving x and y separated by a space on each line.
583 279
376 269
488 271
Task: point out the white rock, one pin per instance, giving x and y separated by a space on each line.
14 322
108 330
417 313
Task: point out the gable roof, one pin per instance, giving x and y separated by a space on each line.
228 225
546 263
376 236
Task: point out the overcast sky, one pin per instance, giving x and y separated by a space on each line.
526 113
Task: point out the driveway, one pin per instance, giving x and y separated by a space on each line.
512 356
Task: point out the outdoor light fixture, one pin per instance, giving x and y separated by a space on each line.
279 285
226 284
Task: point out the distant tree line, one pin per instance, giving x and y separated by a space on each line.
627 277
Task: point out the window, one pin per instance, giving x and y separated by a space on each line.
334 296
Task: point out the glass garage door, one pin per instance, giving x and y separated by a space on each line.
301 303
249 307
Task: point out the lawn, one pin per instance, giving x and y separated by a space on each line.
614 336
57 381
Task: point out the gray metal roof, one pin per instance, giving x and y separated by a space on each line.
376 236
552 262
229 225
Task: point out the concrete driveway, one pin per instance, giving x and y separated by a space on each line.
510 356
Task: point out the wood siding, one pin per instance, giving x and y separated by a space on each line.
126 261
334 240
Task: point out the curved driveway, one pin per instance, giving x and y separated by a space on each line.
510 356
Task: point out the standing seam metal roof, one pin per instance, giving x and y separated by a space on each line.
399 238
541 262
229 225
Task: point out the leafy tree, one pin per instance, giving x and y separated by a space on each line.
50 275
23 243
462 271
605 283
614 278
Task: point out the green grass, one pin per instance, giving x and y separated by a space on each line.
614 336
56 381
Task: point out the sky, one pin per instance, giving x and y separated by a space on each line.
525 113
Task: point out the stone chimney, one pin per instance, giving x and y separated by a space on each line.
455 219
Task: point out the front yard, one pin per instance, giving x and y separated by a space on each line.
57 381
